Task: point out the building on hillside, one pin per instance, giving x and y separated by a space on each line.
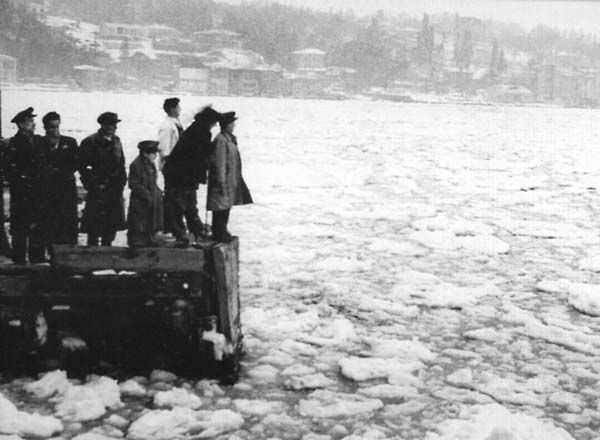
90 77
39 8
544 82
130 30
510 94
161 32
308 59
194 80
8 69
216 39
241 73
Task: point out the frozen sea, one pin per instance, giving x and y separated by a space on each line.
407 272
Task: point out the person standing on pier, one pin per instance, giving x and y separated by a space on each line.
170 130
184 170
21 168
226 186
60 160
103 175
145 215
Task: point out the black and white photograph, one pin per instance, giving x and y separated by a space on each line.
300 219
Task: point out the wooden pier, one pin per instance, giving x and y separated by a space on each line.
128 310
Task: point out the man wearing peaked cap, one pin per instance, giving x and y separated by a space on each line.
60 160
102 171
22 116
21 168
145 215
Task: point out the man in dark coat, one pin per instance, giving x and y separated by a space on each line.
226 186
21 168
60 160
145 215
102 170
4 244
184 169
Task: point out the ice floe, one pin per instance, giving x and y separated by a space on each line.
177 397
495 422
328 404
21 423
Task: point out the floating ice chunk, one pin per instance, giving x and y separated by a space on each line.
591 262
259 407
484 244
489 335
327 404
495 422
298 370
177 397
15 422
453 394
460 354
298 348
388 391
166 425
392 348
104 272
361 369
132 388
92 436
549 286
444 294
309 382
54 382
89 402
401 248
340 264
162 376
264 373
585 298
570 400
279 322
461 378
509 391
403 409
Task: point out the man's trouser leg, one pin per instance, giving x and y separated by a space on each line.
19 246
92 239
37 245
174 213
192 218
219 224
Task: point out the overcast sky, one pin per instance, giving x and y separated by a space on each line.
563 14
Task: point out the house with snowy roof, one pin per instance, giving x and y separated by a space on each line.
308 59
8 69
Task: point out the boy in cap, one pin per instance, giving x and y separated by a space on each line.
145 215
21 168
103 175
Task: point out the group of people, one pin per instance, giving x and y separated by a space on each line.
40 171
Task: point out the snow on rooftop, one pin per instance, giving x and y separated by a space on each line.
309 51
89 68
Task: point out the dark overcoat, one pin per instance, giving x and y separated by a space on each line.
186 166
103 175
22 170
145 212
60 161
226 186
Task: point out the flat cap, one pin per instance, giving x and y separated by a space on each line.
108 118
23 115
148 146
228 117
